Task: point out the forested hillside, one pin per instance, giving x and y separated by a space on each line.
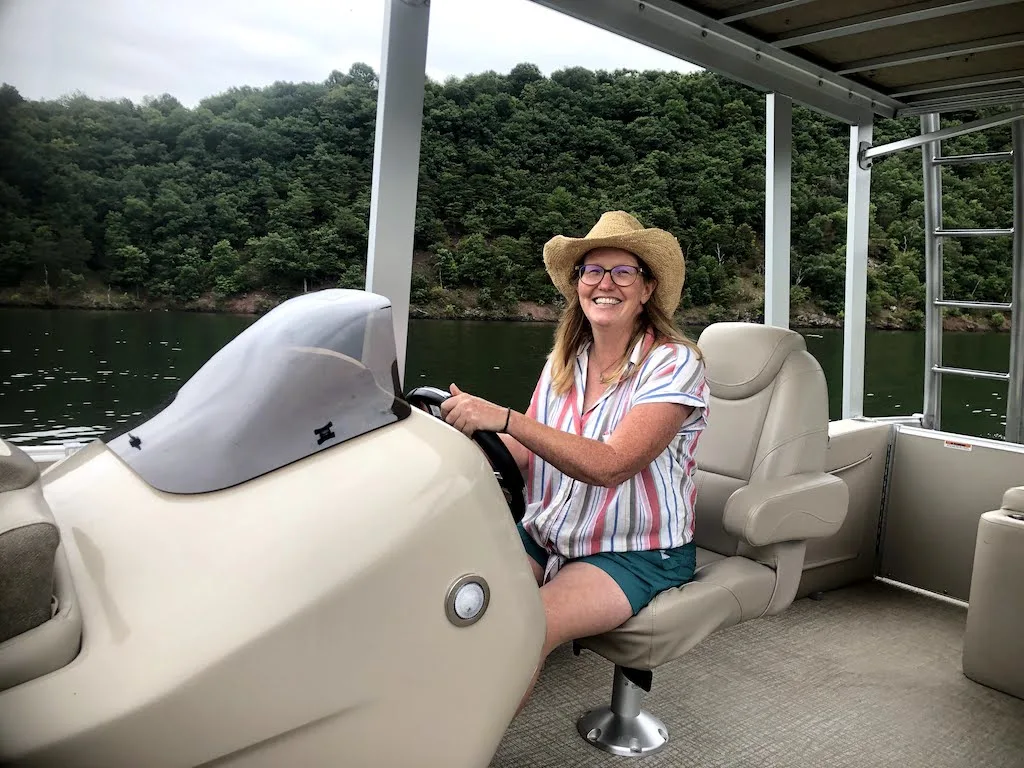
265 192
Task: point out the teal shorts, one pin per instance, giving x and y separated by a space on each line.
640 575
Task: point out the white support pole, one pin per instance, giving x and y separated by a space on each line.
396 160
777 208
855 311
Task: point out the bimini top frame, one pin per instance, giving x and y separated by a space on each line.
848 60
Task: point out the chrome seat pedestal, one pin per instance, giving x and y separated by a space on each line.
623 728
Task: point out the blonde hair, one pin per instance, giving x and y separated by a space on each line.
574 331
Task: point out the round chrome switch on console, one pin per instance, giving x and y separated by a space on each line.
467 600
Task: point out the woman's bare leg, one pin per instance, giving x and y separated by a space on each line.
580 601
538 572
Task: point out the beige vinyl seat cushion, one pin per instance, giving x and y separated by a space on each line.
28 543
40 624
762 492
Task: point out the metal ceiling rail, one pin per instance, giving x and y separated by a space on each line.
779 63
761 8
867 154
962 103
965 102
869 22
1006 85
680 31
936 52
996 78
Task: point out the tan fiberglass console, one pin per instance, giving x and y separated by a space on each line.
283 566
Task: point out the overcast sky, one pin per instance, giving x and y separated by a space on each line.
196 48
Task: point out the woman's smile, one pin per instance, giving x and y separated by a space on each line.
610 302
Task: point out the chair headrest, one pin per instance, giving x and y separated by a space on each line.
741 359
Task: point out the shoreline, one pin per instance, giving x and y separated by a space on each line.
259 303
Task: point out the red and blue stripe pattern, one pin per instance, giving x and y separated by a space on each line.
652 510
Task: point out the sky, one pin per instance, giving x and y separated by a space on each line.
191 49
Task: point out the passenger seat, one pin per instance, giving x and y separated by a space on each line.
40 624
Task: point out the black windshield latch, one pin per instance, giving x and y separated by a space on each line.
324 433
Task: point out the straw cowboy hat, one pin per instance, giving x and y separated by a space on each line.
658 249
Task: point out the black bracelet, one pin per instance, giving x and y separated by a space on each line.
508 415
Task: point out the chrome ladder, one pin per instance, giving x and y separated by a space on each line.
935 233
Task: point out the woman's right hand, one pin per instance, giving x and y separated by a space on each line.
469 414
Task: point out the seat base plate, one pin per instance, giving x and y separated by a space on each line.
622 735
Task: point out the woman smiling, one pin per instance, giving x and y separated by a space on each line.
607 444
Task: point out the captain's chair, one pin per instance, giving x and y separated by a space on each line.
761 493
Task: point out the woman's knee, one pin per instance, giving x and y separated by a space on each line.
582 600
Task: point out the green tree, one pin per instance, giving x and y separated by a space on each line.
268 189
133 268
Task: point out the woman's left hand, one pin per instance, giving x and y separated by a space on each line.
470 414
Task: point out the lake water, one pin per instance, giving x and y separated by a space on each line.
71 375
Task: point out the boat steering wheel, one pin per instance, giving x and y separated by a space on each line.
506 471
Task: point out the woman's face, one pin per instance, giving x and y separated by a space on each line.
609 303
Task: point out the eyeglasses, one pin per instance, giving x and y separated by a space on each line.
623 275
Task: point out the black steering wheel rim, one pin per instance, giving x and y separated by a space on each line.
505 468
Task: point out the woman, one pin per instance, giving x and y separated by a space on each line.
607 444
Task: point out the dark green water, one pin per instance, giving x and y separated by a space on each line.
70 375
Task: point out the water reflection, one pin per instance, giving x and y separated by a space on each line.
70 375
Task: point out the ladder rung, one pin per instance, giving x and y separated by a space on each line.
972 373
984 157
998 305
973 232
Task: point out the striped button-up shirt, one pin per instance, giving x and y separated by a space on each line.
653 509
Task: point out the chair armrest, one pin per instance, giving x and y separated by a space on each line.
1013 499
810 505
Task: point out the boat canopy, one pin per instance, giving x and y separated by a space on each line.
849 60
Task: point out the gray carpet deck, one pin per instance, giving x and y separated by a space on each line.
868 677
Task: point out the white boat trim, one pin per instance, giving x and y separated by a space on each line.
396 161
778 210
855 306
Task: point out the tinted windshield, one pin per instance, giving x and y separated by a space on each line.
316 371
